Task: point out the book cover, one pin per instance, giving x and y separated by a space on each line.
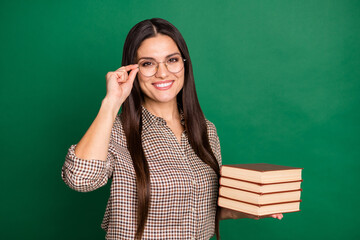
259 210
260 167
261 172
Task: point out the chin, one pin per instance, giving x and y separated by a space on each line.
165 99
162 96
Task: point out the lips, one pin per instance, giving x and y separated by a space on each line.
163 85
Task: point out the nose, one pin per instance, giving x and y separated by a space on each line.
162 71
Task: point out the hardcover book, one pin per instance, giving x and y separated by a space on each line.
259 198
258 187
261 172
259 210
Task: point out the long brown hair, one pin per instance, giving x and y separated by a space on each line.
195 123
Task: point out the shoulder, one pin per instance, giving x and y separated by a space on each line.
117 133
212 131
117 122
214 140
210 127
117 126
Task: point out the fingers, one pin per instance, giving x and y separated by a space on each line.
124 77
122 74
133 74
128 67
278 216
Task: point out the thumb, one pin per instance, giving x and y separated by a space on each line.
132 75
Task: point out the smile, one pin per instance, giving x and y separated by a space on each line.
165 85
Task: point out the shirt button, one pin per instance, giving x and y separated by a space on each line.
192 238
193 210
193 182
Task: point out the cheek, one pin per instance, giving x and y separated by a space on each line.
181 79
143 82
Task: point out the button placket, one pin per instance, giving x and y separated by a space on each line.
193 199
182 161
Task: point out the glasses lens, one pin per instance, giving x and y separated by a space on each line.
175 64
148 67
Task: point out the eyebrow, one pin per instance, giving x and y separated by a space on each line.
154 58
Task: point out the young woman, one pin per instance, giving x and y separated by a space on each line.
162 154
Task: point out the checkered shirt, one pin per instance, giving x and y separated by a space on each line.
184 189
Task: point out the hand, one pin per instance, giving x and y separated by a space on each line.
119 83
277 215
236 215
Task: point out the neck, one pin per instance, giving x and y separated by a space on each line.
168 111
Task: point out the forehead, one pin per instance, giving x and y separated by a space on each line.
157 47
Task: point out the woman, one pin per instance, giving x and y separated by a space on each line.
162 154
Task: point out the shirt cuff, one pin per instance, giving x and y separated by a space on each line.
86 175
84 168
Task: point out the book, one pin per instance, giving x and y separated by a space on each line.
259 198
261 172
258 187
259 210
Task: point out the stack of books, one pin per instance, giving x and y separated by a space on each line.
260 189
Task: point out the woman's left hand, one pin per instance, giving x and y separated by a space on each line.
278 216
244 215
232 214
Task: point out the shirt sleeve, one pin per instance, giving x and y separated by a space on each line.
85 175
214 141
217 148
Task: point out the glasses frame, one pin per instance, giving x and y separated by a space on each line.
157 66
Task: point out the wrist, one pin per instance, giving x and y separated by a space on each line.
113 100
111 105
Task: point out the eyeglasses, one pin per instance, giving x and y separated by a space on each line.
149 67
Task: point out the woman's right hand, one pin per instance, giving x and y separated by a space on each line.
119 83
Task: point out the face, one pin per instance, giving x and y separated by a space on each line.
158 48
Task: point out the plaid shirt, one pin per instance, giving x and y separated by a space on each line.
184 189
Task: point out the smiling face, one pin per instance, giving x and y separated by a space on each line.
156 88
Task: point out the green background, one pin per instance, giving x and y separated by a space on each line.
279 79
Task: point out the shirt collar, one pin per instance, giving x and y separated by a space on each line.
148 118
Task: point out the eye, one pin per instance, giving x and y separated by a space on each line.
146 64
174 59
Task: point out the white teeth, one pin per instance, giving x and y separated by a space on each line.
163 84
